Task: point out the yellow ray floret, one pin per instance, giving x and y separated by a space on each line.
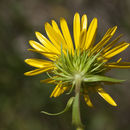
111 44
121 65
84 23
38 71
116 50
76 29
54 37
87 100
56 28
104 40
49 46
106 96
39 63
49 80
59 89
37 46
40 48
100 44
91 34
83 33
111 32
66 34
50 55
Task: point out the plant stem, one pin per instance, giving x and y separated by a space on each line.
77 85
76 118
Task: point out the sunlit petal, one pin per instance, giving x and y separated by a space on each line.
55 38
37 46
66 34
83 33
49 46
37 71
39 63
106 96
91 33
116 50
76 29
110 45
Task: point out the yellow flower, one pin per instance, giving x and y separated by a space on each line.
81 59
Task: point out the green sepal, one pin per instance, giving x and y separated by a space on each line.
90 62
68 105
98 78
76 120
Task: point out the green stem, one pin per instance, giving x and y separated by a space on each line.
76 118
77 85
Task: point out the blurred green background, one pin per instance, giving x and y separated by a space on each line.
22 98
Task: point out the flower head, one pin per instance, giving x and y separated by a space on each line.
80 61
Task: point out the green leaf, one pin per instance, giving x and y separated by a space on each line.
96 78
69 103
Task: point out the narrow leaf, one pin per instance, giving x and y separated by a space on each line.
97 78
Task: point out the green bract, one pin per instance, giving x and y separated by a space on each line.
84 65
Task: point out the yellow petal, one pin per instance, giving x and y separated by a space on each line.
56 28
66 34
91 34
106 96
39 63
55 38
111 31
43 52
105 39
110 45
99 45
83 31
37 46
49 80
42 49
49 55
62 89
87 100
82 39
37 71
107 33
121 65
116 50
84 23
49 46
56 91
53 92
59 89
76 29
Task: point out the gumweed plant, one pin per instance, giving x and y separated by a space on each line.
78 66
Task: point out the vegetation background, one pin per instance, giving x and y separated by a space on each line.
22 98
